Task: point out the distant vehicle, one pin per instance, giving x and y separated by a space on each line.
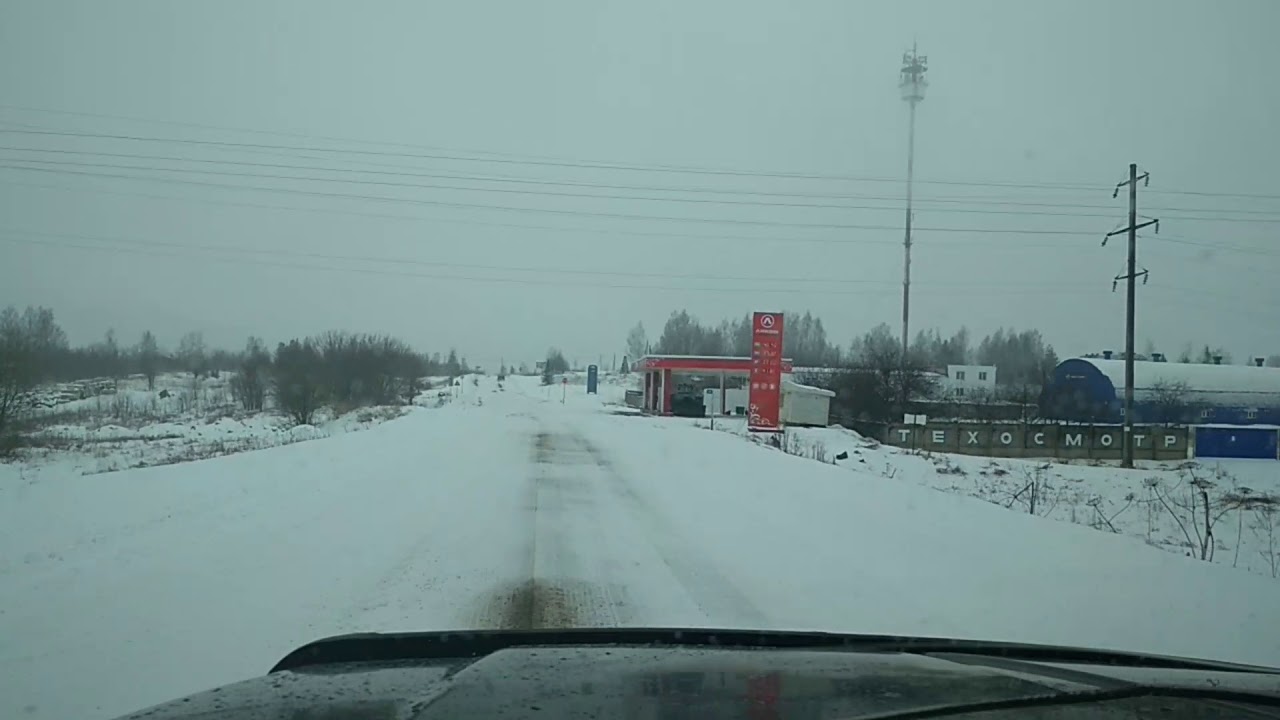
658 673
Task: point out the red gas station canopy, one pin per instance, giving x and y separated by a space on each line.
699 363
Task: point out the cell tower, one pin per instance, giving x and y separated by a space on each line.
912 83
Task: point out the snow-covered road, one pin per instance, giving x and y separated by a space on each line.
126 589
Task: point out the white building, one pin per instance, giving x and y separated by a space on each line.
963 381
805 404
801 404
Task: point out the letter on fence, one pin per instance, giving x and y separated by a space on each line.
1076 440
1138 440
1106 440
973 437
904 434
939 437
1038 438
1170 440
1006 438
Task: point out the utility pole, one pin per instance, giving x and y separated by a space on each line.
912 84
1130 277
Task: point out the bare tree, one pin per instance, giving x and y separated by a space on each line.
192 353
249 386
18 373
1022 357
28 342
112 358
411 369
1170 401
148 353
871 386
298 377
637 341
554 364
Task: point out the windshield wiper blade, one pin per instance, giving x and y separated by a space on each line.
422 646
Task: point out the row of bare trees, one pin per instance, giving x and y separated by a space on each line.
340 368
1023 357
344 369
29 341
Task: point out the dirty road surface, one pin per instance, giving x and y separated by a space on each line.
597 554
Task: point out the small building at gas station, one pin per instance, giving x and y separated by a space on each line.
701 385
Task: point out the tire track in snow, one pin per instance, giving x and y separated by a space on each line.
714 593
570 582
580 566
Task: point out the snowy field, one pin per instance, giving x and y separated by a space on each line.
509 508
178 420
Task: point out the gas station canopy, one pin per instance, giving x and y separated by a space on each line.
658 370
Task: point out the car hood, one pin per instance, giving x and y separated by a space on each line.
669 680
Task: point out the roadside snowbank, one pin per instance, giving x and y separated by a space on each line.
1160 503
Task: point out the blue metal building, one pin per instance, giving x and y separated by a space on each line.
1092 390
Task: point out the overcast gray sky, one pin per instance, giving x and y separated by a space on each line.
1025 97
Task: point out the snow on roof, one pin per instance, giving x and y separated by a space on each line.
816 370
793 385
1204 378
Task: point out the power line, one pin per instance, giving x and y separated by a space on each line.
965 245
430 186
564 183
552 211
527 181
1213 246
549 161
478 223
533 181
436 264
980 200
227 128
508 268
459 278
